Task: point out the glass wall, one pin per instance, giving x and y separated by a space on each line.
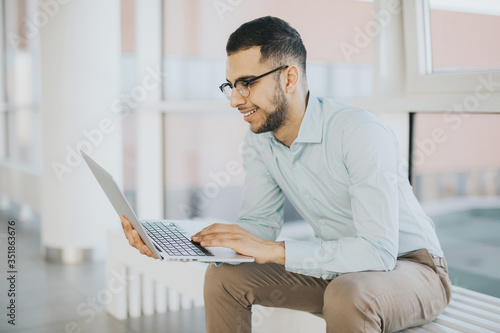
456 176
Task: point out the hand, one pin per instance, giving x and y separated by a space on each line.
242 241
134 239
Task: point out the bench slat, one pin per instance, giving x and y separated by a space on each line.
414 330
472 319
438 328
475 295
488 315
460 325
431 327
476 304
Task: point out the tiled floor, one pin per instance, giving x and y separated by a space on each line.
56 298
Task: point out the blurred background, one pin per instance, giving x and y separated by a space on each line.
135 84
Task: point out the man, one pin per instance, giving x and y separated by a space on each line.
376 264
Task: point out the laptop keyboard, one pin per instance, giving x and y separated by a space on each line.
173 241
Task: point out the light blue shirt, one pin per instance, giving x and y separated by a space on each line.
345 176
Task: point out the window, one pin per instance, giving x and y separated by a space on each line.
455 171
20 123
450 45
337 35
461 35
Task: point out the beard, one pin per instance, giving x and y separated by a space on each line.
277 118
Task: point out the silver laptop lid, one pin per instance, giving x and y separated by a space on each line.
118 200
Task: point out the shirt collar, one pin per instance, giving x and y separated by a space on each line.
311 128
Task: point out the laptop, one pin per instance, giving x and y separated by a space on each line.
166 239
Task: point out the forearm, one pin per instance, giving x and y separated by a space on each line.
242 241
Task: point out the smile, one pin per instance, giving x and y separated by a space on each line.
249 113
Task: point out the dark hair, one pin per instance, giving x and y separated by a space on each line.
279 42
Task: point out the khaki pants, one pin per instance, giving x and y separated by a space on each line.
414 293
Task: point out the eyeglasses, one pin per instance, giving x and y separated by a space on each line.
243 86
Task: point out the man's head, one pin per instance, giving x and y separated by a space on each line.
279 43
264 45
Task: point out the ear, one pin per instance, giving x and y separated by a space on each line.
292 78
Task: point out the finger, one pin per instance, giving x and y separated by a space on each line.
141 246
214 236
127 229
137 239
148 252
126 225
218 228
219 242
203 231
134 238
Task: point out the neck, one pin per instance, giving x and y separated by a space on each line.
290 130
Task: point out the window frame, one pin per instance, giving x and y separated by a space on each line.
419 76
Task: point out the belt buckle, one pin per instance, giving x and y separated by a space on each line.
440 262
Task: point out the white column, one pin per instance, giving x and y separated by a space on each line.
148 296
389 60
389 65
149 121
174 300
134 293
80 67
160 298
116 283
186 302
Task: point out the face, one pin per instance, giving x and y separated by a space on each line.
266 108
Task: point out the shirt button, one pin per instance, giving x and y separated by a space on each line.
297 163
308 197
300 272
323 222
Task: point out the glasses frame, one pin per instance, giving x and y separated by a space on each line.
247 83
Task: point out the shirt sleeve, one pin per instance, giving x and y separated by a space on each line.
370 155
263 202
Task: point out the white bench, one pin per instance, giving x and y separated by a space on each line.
143 286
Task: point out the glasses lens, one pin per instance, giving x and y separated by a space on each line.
242 89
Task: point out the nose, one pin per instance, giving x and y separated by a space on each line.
236 99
